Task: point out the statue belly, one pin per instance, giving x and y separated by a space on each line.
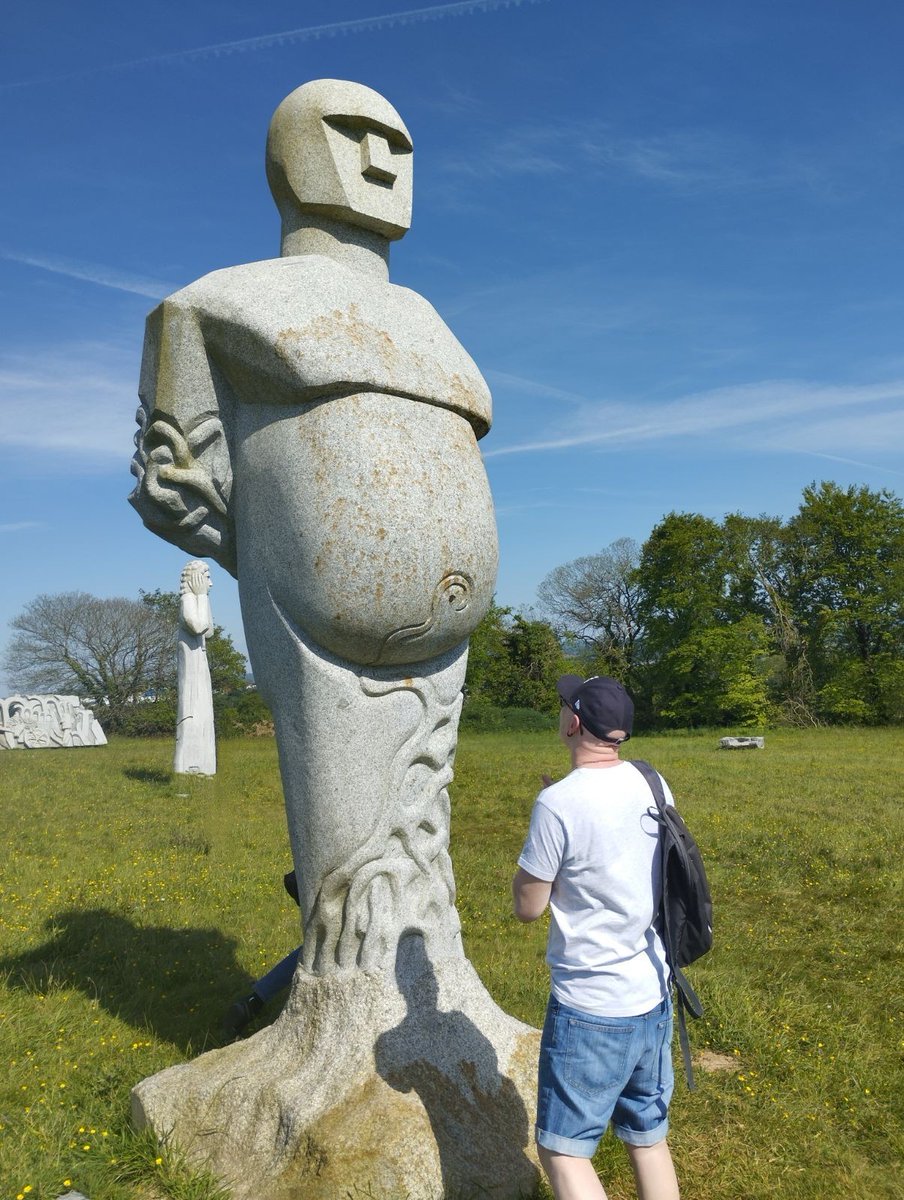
370 519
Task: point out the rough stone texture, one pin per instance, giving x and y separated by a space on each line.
196 750
416 1085
47 723
314 429
742 743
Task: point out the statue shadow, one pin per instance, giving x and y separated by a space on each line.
148 774
476 1113
174 982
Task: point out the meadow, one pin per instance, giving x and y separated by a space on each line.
135 906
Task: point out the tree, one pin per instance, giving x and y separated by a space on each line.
718 676
706 647
513 662
682 579
536 662
594 601
758 550
488 675
108 650
846 551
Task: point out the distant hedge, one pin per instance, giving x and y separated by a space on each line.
479 717
237 714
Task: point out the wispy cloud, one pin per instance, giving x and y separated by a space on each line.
18 526
514 510
775 415
533 387
287 37
529 150
92 273
683 159
78 400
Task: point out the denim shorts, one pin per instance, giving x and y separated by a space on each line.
594 1070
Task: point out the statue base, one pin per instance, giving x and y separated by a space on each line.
413 1087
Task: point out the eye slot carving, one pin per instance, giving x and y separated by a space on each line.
376 159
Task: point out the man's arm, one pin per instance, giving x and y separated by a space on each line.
530 895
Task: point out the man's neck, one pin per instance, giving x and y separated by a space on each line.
593 754
359 249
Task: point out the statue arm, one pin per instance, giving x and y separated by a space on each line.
194 613
182 460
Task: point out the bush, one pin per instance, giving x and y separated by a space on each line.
243 714
479 717
147 718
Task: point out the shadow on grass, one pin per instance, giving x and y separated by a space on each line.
176 982
148 774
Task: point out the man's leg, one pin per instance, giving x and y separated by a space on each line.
243 1011
571 1178
278 978
654 1172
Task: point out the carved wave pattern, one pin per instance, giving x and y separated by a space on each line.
451 595
401 879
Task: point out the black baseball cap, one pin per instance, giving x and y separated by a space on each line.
600 703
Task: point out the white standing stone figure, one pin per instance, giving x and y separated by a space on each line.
313 428
196 750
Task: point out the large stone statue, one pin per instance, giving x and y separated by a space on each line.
196 752
314 428
47 723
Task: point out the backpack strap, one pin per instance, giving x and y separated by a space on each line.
685 996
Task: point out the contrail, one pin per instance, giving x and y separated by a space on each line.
410 16
852 462
93 273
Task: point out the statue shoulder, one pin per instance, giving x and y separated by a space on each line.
306 323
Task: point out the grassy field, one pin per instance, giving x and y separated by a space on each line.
134 906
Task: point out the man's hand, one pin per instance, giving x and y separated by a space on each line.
530 895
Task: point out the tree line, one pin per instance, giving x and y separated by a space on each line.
744 622
120 654
747 621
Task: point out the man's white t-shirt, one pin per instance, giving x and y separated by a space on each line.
591 835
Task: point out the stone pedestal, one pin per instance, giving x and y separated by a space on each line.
414 1086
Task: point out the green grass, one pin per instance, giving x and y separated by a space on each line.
134 906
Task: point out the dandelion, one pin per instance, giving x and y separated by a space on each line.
158 1162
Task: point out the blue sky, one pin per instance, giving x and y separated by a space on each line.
670 232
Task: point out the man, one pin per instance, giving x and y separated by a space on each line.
592 855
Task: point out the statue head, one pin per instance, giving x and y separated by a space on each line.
195 578
339 150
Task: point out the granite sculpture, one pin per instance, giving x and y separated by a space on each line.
47 723
313 428
196 751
